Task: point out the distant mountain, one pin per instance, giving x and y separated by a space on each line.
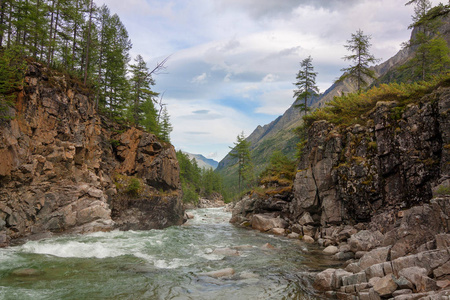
202 161
279 135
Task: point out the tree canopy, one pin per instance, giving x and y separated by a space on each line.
88 42
306 84
359 45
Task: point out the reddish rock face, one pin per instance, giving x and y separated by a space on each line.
60 160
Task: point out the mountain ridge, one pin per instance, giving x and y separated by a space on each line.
279 133
202 161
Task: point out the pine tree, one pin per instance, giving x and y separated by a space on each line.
241 151
165 125
431 50
141 82
306 84
359 44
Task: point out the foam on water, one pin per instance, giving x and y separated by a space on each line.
73 249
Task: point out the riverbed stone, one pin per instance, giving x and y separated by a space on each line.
401 292
264 222
324 281
27 272
306 219
331 250
365 240
227 272
293 235
373 257
385 286
278 231
307 239
226 252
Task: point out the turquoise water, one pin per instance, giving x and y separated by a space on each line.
160 264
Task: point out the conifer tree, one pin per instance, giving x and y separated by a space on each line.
165 125
359 45
241 151
141 82
306 84
431 50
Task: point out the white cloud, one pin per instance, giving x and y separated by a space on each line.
200 79
237 59
270 78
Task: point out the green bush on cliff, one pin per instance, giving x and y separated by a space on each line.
353 108
134 186
12 67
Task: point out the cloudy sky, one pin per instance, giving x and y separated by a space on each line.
233 62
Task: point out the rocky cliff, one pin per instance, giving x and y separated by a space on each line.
377 195
65 168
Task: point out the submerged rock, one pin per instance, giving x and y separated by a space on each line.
27 272
227 272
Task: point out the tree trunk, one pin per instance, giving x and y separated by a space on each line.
88 43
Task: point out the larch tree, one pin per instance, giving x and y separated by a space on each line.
241 151
431 52
142 97
360 71
306 84
165 125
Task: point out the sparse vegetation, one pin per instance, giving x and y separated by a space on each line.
443 191
353 108
128 185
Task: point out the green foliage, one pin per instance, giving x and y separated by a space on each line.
12 68
431 53
189 193
128 185
280 168
302 133
241 151
443 190
359 44
114 143
353 108
88 43
142 110
165 126
196 182
306 84
134 186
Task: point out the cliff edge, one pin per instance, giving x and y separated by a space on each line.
66 168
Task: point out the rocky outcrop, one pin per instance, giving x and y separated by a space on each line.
376 196
349 175
64 168
414 265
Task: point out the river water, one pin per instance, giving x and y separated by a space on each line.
161 264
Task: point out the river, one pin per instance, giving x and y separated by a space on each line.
161 264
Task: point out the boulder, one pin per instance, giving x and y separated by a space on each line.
373 257
263 222
226 252
365 240
331 250
414 275
278 231
385 286
293 235
306 219
324 280
227 272
307 239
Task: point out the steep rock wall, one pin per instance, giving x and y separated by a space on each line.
64 168
348 175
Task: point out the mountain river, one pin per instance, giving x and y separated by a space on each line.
162 264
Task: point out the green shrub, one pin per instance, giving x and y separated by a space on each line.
443 190
134 186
